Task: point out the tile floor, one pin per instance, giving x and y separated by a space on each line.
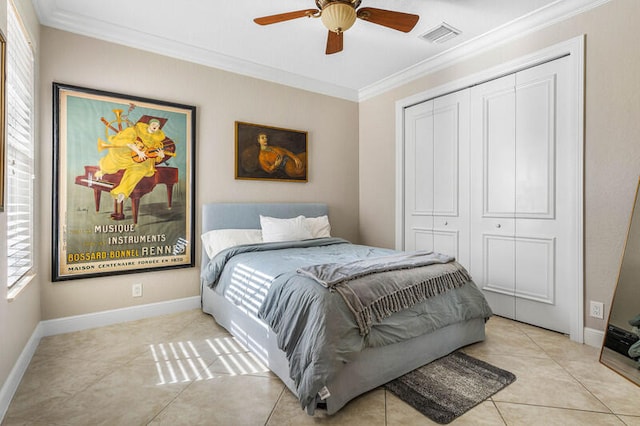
183 369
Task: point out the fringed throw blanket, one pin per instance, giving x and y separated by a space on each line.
376 288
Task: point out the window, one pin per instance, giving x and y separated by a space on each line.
20 148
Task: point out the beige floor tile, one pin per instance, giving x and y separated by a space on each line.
48 381
20 413
178 351
130 395
70 345
617 393
558 346
218 350
591 370
543 382
16 422
503 337
225 400
630 421
150 330
620 398
401 414
367 409
185 369
531 415
240 364
118 343
201 327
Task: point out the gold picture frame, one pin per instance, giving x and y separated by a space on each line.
270 153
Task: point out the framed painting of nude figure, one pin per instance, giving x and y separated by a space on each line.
123 184
270 153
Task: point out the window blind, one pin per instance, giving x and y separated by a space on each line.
20 148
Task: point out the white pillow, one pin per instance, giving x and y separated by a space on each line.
219 239
275 229
319 226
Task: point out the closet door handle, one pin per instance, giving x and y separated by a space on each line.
498 226
446 223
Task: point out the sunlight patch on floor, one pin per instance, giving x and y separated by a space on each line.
180 362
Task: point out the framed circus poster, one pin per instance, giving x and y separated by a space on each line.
270 153
123 184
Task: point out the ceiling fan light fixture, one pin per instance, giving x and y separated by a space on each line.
338 16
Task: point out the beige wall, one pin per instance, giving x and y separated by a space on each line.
362 208
612 132
221 98
19 317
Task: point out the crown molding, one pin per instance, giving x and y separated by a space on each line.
50 16
553 13
535 21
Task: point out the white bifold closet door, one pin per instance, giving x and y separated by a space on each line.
436 176
523 199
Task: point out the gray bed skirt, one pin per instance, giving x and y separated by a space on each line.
371 368
368 369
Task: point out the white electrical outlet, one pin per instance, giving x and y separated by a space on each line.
597 310
136 290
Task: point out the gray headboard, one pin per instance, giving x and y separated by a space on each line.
247 215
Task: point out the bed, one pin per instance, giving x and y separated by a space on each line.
334 362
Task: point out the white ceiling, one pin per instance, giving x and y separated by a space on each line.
222 34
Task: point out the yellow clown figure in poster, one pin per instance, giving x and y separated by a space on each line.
136 150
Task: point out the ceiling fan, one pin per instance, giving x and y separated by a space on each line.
339 15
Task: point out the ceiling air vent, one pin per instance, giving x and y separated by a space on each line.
441 33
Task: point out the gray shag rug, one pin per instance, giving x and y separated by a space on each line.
450 386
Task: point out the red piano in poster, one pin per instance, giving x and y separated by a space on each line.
134 169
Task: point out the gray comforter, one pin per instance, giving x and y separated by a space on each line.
315 328
378 287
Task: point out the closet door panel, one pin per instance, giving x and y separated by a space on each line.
498 149
535 269
423 239
445 154
451 175
498 272
492 164
446 241
535 147
437 177
499 263
419 177
422 159
546 196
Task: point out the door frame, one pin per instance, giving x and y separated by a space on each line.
574 49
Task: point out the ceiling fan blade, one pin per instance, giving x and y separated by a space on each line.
334 42
388 18
281 17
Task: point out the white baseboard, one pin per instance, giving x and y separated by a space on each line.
115 316
10 385
83 322
593 337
